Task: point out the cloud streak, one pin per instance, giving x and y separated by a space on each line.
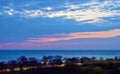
63 40
78 35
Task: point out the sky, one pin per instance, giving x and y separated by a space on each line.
60 24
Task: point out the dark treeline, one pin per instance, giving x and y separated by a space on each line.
60 65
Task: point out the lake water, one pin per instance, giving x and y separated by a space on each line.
6 55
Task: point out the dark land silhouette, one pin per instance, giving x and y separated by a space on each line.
60 65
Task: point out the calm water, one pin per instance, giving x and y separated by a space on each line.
6 55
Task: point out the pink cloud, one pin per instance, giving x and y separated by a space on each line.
54 40
78 35
22 45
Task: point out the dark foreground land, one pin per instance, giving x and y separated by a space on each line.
59 65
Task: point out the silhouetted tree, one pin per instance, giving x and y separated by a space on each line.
57 60
2 65
93 59
85 59
22 62
12 65
33 61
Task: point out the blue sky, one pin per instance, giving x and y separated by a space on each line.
64 24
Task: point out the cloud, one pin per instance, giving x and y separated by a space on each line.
94 11
48 8
11 11
71 36
32 13
66 40
0 13
22 45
